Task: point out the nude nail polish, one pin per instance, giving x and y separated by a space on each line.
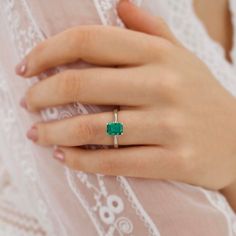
59 155
32 134
21 68
23 103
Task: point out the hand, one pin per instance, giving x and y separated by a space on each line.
179 122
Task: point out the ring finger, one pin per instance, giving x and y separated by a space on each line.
91 129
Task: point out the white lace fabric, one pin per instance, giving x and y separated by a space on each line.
53 200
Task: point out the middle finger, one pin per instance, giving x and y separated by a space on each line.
99 86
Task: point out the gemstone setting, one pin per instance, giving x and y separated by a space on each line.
115 128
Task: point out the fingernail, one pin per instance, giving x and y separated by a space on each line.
21 67
59 155
32 134
23 103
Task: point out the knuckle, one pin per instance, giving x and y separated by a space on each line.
169 82
164 125
87 132
172 124
76 37
69 84
85 36
187 162
183 163
170 85
166 128
176 124
172 81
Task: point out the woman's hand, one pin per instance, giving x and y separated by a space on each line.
179 122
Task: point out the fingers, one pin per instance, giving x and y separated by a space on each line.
98 45
91 129
142 161
137 19
91 86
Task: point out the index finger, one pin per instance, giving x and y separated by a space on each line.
100 45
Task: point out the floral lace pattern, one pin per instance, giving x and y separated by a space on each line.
18 221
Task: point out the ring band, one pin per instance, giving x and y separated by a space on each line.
115 128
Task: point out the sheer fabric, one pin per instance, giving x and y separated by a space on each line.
38 196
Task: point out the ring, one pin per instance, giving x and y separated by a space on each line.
115 128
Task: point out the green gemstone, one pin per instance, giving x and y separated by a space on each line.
114 128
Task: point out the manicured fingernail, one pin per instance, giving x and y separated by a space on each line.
21 67
23 103
32 134
59 155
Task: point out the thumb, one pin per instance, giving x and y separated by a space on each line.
137 19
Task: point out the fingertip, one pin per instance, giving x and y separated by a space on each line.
23 103
125 1
123 5
32 134
59 154
21 68
130 14
24 68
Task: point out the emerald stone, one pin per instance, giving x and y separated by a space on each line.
114 128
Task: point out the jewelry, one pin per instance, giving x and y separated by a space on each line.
115 128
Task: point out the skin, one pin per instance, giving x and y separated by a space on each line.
218 24
219 27
179 122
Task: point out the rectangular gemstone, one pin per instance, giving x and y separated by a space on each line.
114 128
